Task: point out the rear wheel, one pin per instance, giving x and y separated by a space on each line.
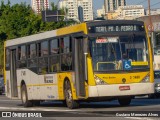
24 97
68 96
124 101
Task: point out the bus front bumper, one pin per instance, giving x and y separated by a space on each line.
121 89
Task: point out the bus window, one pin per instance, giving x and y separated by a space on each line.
65 45
44 48
54 63
43 65
22 56
54 47
32 51
22 52
66 63
107 52
32 61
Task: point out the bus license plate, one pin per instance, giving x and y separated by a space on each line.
121 88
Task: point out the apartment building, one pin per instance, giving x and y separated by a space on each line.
78 9
39 5
111 5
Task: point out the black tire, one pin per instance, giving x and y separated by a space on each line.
72 104
0 93
24 97
124 101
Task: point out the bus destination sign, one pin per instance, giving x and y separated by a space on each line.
116 28
107 39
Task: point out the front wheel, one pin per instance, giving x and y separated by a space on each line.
68 96
24 97
124 101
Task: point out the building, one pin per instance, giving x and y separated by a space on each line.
111 5
101 12
153 27
153 12
128 12
78 9
39 5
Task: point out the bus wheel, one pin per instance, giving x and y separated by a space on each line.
24 97
124 101
68 96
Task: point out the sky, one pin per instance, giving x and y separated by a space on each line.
97 4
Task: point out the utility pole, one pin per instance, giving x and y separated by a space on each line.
151 30
149 15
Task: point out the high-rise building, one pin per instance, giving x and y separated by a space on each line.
39 5
78 9
111 5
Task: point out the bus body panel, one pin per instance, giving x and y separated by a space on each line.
114 90
120 77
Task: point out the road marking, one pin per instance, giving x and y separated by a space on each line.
10 100
32 109
139 118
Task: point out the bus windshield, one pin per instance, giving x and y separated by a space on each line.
119 52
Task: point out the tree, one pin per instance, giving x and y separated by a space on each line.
19 20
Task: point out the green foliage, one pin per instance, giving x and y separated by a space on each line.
19 20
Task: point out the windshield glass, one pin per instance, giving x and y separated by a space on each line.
119 53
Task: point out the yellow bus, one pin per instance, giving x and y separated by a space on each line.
92 61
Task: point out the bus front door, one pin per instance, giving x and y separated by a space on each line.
79 66
13 75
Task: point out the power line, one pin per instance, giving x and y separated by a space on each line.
141 2
153 4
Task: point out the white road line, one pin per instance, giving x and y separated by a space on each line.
10 100
139 118
32 109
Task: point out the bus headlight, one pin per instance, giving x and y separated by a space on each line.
99 81
146 79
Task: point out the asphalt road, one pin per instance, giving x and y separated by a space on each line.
140 108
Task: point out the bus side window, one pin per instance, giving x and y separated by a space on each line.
54 63
32 60
43 57
54 47
66 63
22 56
55 58
66 54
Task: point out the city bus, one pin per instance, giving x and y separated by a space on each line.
92 61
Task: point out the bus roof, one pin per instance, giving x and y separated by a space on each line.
67 30
48 34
